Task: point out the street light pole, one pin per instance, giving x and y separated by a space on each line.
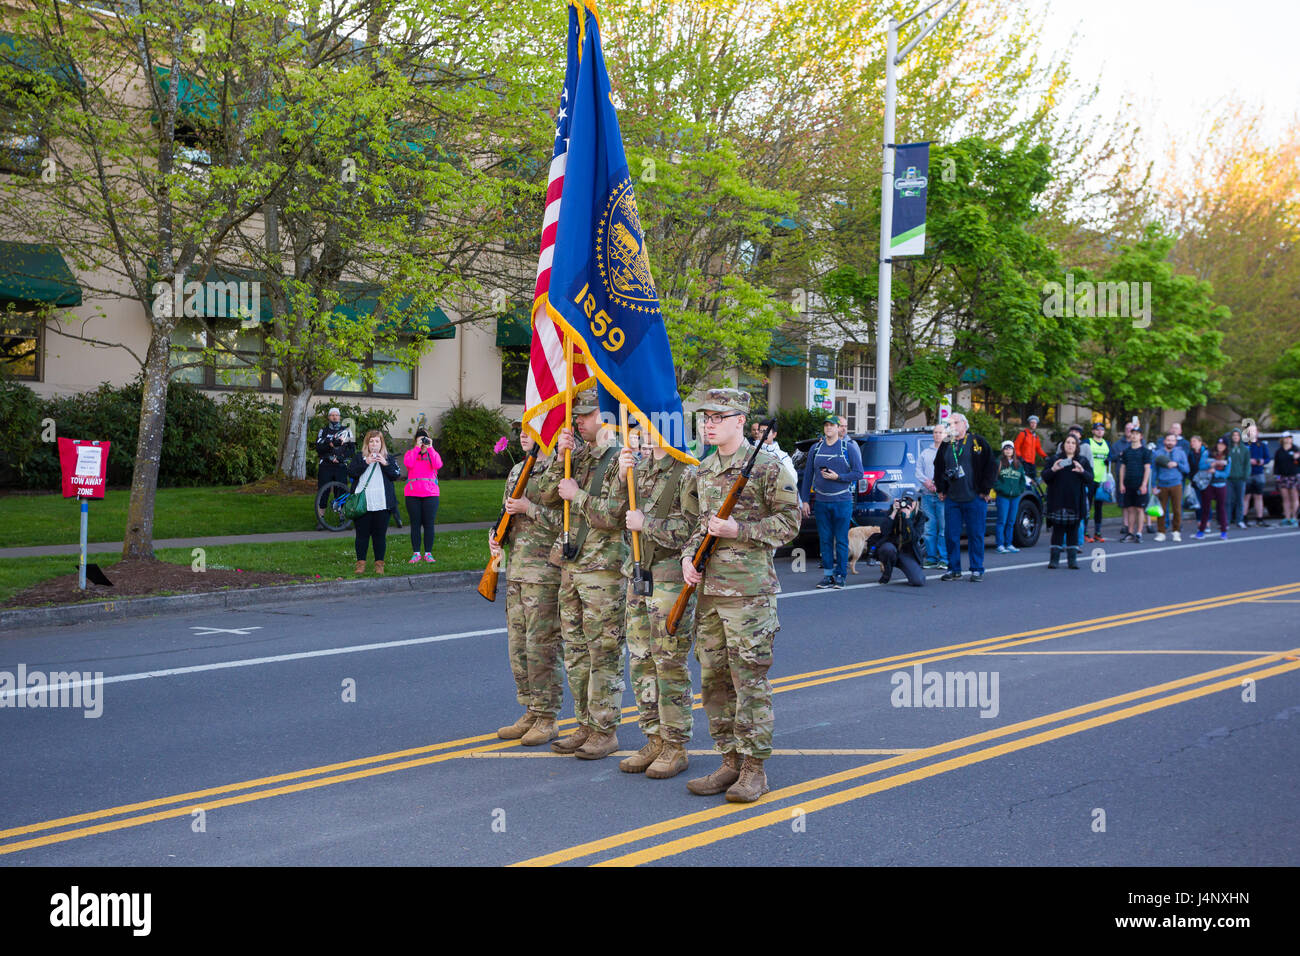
883 298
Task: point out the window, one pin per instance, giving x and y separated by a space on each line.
234 354
867 376
869 416
757 386
855 372
390 378
20 345
22 147
514 374
982 400
848 411
845 380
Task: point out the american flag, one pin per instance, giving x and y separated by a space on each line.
546 371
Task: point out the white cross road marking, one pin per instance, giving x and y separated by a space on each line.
206 631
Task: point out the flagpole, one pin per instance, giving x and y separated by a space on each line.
640 581
568 423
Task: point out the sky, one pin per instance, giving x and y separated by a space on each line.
1178 60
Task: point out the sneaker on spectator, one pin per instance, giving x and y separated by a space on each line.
1178 536
1012 549
1241 525
415 558
1137 538
428 557
1002 549
1160 536
1223 536
826 582
1199 535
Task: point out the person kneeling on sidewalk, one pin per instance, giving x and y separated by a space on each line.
903 542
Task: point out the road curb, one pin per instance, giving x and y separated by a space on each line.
99 611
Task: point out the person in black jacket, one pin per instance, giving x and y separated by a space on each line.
1070 483
334 448
373 470
965 469
904 542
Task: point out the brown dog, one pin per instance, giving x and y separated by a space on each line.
858 543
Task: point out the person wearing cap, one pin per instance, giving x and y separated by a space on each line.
334 448
1286 468
591 587
1029 448
1009 486
532 606
665 516
422 495
831 473
735 613
1099 452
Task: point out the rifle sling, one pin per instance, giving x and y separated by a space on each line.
593 486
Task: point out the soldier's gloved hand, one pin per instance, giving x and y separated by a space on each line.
689 573
723 527
635 520
517 506
567 489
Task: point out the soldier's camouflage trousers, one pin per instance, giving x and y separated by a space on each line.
533 642
656 663
733 643
591 623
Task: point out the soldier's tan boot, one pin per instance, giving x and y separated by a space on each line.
379 567
571 743
671 761
543 729
720 779
519 727
599 744
643 758
752 783
361 567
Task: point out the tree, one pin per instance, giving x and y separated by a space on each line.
1163 358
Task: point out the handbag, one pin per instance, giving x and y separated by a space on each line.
355 506
1106 491
1155 509
1201 480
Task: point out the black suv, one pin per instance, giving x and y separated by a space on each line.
889 470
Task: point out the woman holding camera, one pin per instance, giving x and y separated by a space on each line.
422 464
1069 484
374 470
904 542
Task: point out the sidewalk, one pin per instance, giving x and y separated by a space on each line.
114 547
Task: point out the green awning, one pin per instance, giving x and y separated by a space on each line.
357 300
515 329
196 101
33 274
223 294
785 351
20 53
973 376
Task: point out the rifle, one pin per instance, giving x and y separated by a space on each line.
487 584
705 551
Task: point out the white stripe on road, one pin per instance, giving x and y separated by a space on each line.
1160 548
358 648
254 661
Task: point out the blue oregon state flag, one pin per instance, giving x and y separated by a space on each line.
601 293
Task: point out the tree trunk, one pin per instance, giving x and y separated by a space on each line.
294 413
138 542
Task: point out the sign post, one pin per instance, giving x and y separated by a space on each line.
84 465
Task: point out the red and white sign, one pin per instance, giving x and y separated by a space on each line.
85 467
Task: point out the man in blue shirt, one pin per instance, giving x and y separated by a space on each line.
1260 455
1171 471
831 474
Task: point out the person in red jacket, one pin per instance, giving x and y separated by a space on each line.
1029 449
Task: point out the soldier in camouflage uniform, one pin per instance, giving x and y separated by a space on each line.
532 607
735 617
591 588
665 517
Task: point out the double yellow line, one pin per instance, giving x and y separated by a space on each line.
180 805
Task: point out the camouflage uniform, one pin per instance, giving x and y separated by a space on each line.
532 604
657 667
735 617
591 588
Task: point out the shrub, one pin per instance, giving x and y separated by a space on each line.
468 432
21 412
982 423
250 434
796 424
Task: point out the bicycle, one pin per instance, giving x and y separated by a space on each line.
330 500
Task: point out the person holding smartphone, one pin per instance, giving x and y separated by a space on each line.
422 464
374 470
1069 484
832 472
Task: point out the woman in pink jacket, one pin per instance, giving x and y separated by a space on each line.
422 464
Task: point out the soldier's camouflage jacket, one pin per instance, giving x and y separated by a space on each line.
603 511
662 539
530 536
767 514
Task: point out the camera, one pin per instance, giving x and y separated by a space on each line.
956 471
426 442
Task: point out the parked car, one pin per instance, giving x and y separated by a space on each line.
889 470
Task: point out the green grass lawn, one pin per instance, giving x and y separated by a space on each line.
30 520
455 551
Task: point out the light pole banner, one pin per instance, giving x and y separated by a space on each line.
911 169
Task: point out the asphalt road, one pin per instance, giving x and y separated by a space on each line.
1147 713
